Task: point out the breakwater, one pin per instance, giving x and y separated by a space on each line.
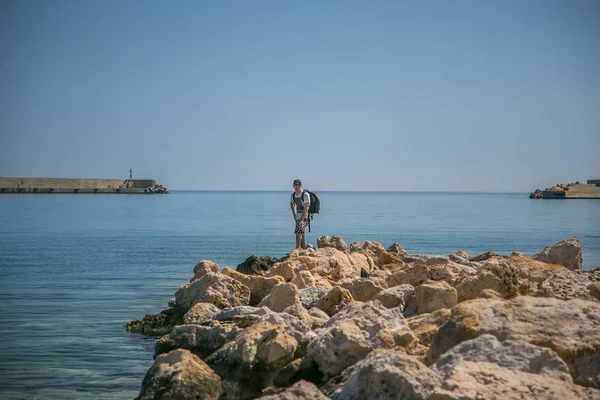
68 185
576 190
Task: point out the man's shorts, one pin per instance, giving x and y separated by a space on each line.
300 229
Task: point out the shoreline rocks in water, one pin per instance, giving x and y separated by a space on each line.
358 321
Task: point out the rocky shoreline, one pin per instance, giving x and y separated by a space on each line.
366 322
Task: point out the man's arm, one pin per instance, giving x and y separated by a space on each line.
293 207
306 201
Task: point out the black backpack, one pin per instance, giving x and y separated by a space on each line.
315 205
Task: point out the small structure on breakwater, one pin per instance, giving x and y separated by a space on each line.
577 190
93 186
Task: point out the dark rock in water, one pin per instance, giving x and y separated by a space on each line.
536 195
364 273
157 325
256 265
485 256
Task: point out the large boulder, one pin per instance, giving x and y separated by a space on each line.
180 375
259 286
329 266
332 241
200 340
281 297
256 265
334 300
218 289
567 253
364 289
356 331
570 328
204 267
248 363
302 390
386 374
515 355
485 368
432 296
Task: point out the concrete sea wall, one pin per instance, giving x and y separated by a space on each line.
67 185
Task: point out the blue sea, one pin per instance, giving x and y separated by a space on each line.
75 268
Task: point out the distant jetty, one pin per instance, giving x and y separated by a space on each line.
576 190
92 186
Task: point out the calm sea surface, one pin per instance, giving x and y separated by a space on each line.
75 268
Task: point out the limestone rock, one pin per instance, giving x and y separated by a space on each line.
332 241
567 253
218 289
200 313
364 289
433 296
570 328
180 375
309 296
200 340
281 297
256 265
204 267
248 363
486 368
369 248
595 289
304 279
481 380
157 325
356 331
413 275
425 327
515 355
396 296
285 269
259 286
387 258
329 266
387 374
397 249
565 284
318 317
334 300
301 390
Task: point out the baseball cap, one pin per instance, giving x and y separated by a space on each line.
297 181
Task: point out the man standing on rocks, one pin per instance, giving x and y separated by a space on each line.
299 203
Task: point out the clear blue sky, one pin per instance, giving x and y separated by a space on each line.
381 95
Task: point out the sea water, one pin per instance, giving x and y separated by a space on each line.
75 268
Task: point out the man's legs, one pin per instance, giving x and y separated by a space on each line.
298 240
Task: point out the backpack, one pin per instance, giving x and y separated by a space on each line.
315 205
